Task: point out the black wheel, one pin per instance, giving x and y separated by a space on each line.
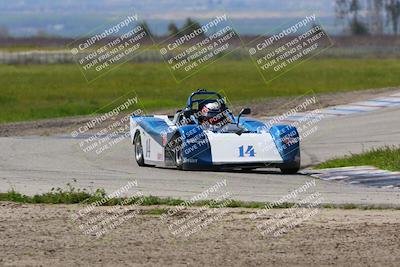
177 150
139 150
289 170
293 167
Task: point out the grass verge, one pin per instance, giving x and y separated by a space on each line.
72 196
386 158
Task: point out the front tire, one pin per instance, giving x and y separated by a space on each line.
139 150
293 167
179 156
177 152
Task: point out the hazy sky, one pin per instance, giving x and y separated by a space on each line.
171 9
75 17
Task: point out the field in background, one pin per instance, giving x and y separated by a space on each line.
30 92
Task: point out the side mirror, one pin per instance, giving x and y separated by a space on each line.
245 111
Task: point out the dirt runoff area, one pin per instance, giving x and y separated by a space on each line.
45 235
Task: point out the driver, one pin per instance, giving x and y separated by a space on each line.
213 113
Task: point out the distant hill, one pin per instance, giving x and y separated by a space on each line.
72 18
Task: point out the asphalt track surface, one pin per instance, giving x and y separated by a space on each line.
36 164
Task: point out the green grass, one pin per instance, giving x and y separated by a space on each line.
25 48
77 196
154 211
386 158
33 92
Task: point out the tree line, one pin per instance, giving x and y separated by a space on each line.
361 17
357 17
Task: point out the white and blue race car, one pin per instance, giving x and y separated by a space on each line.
205 135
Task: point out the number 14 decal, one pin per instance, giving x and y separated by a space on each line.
249 152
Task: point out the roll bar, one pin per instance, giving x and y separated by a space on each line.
190 100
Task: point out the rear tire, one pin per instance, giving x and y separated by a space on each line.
139 150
